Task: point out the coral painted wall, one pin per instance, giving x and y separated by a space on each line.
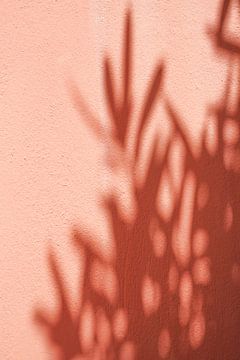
120 174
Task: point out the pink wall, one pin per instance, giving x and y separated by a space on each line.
156 270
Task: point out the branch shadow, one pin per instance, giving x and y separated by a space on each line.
173 291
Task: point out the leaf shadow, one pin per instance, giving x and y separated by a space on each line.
167 295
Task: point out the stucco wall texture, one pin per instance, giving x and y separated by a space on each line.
120 173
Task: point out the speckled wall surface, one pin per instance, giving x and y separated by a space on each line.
120 174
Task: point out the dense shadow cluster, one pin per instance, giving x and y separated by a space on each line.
173 290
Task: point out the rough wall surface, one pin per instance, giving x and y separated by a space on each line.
169 270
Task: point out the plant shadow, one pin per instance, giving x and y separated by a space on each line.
173 290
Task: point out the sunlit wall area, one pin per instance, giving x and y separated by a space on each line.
120 174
